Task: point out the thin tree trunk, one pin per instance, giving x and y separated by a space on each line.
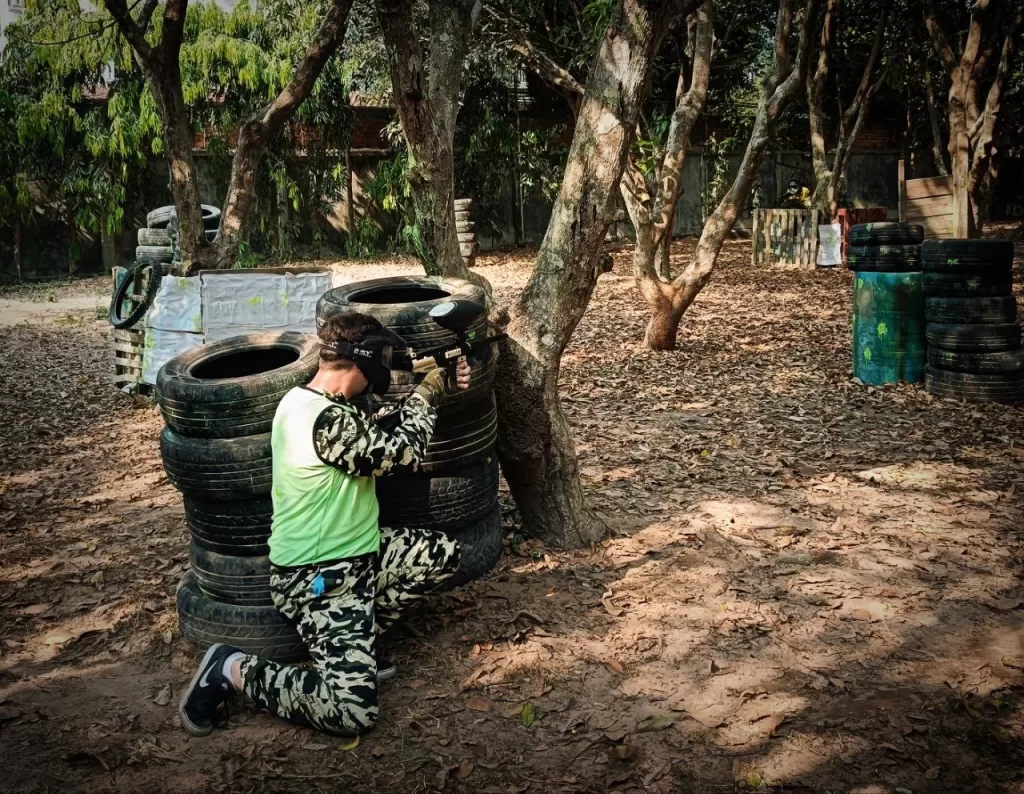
350 211
779 90
534 444
933 122
427 95
829 180
160 66
17 248
651 263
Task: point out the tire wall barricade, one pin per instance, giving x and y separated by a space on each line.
218 403
973 330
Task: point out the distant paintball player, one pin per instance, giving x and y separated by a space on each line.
335 574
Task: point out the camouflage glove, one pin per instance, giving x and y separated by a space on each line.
433 387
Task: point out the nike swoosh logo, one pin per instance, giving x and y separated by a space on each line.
203 682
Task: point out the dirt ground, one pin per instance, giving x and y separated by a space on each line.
809 585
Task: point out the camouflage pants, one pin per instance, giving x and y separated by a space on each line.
362 597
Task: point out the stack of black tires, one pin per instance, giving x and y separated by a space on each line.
885 247
158 241
218 402
974 339
456 488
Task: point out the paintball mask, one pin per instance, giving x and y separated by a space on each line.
373 356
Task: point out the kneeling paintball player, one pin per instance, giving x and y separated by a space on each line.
337 576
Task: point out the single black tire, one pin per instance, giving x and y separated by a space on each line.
1005 361
1007 388
258 630
462 439
981 283
480 544
211 218
154 237
884 258
217 469
154 253
231 388
886 233
973 338
945 256
151 284
403 303
211 234
238 528
229 579
161 217
971 311
446 502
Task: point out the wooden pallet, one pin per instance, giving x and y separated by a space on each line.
127 346
783 236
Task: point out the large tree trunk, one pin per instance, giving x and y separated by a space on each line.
653 224
534 444
780 88
160 66
427 97
973 127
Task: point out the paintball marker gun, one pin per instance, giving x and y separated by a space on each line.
455 316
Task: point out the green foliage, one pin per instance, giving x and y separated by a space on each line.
87 157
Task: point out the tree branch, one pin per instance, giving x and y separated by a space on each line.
933 122
118 10
866 89
939 39
783 28
325 43
985 135
545 68
146 15
175 12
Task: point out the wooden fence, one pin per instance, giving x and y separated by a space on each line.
785 237
929 202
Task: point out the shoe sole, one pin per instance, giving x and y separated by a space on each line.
386 674
189 726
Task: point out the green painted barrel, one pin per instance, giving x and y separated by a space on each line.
888 327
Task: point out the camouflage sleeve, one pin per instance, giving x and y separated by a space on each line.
344 438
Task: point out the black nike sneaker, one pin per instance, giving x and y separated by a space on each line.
208 689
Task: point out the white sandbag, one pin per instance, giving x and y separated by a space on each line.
830 238
161 346
178 306
240 302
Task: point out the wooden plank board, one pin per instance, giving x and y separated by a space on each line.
929 186
928 208
938 227
125 347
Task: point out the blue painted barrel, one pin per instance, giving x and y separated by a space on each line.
888 327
